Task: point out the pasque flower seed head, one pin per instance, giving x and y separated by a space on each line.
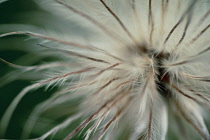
131 64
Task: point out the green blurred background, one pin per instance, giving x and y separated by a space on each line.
12 49
18 15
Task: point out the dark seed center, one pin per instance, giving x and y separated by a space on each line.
163 78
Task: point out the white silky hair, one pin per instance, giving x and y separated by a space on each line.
100 65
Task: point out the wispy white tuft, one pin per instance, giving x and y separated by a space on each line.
127 66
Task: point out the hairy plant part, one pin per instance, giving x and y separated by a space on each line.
143 65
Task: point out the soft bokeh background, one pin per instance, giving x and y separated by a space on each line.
15 49
25 15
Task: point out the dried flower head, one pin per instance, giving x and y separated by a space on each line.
131 65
